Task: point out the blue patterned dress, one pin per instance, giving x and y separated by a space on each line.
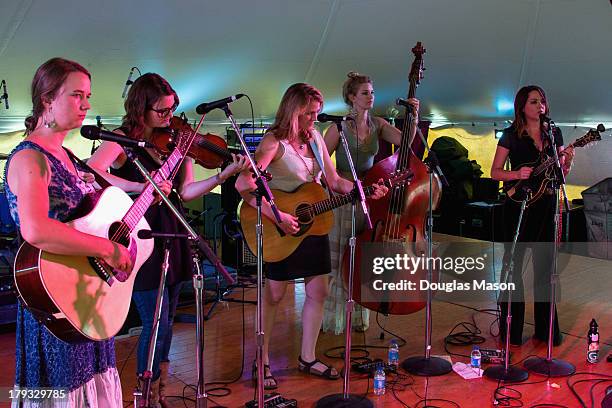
86 370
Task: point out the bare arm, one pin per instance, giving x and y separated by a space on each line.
30 184
104 157
497 168
269 149
190 190
389 132
336 183
332 139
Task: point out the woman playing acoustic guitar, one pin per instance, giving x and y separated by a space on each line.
44 186
286 153
524 142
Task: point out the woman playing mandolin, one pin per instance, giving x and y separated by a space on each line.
149 105
287 153
44 187
362 135
524 143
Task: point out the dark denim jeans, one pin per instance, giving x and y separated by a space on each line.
145 302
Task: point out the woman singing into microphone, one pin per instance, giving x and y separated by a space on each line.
524 142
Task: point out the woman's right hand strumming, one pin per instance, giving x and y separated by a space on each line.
119 258
289 223
523 173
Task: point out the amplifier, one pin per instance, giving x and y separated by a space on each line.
252 136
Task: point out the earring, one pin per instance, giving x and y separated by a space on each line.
49 124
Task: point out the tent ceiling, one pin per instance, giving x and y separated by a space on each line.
478 51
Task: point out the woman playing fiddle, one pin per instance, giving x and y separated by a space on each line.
149 105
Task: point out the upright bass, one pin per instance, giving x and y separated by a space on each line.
398 218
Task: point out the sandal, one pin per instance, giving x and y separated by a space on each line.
270 382
308 368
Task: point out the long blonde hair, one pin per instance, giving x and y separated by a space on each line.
295 101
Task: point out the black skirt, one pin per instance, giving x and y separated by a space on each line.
311 258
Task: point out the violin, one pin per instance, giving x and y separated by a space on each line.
208 150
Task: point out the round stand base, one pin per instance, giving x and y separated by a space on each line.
512 374
338 401
551 368
428 367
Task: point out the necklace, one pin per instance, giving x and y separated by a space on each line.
310 171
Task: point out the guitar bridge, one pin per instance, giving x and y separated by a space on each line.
101 270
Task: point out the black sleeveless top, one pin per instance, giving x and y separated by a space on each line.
160 219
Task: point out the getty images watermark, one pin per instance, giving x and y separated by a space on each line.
398 272
477 271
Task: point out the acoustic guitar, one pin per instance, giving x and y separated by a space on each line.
543 172
81 298
310 204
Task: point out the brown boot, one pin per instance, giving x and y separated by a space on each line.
155 394
164 366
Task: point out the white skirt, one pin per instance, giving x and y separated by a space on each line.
102 391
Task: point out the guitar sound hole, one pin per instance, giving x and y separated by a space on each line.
304 214
119 232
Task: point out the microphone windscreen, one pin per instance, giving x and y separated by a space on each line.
145 234
90 132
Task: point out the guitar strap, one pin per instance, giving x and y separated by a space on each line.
319 157
99 179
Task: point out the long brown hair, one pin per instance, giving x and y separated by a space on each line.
520 100
351 85
295 101
47 81
144 93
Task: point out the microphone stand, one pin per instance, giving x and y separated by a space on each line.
142 395
262 191
506 372
198 279
345 399
427 365
550 366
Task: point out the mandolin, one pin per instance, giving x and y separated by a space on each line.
543 172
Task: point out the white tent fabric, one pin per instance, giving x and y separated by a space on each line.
478 51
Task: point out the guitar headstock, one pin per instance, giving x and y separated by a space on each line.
591 136
416 71
399 178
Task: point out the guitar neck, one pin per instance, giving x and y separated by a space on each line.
146 198
339 200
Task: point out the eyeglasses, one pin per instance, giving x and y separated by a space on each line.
162 113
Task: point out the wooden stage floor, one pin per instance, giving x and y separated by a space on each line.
229 355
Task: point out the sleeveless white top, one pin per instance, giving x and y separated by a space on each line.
292 170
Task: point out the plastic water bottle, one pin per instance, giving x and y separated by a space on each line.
379 380
393 354
475 357
593 343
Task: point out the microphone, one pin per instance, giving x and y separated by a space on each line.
324 117
128 83
544 118
92 132
148 234
207 107
4 94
